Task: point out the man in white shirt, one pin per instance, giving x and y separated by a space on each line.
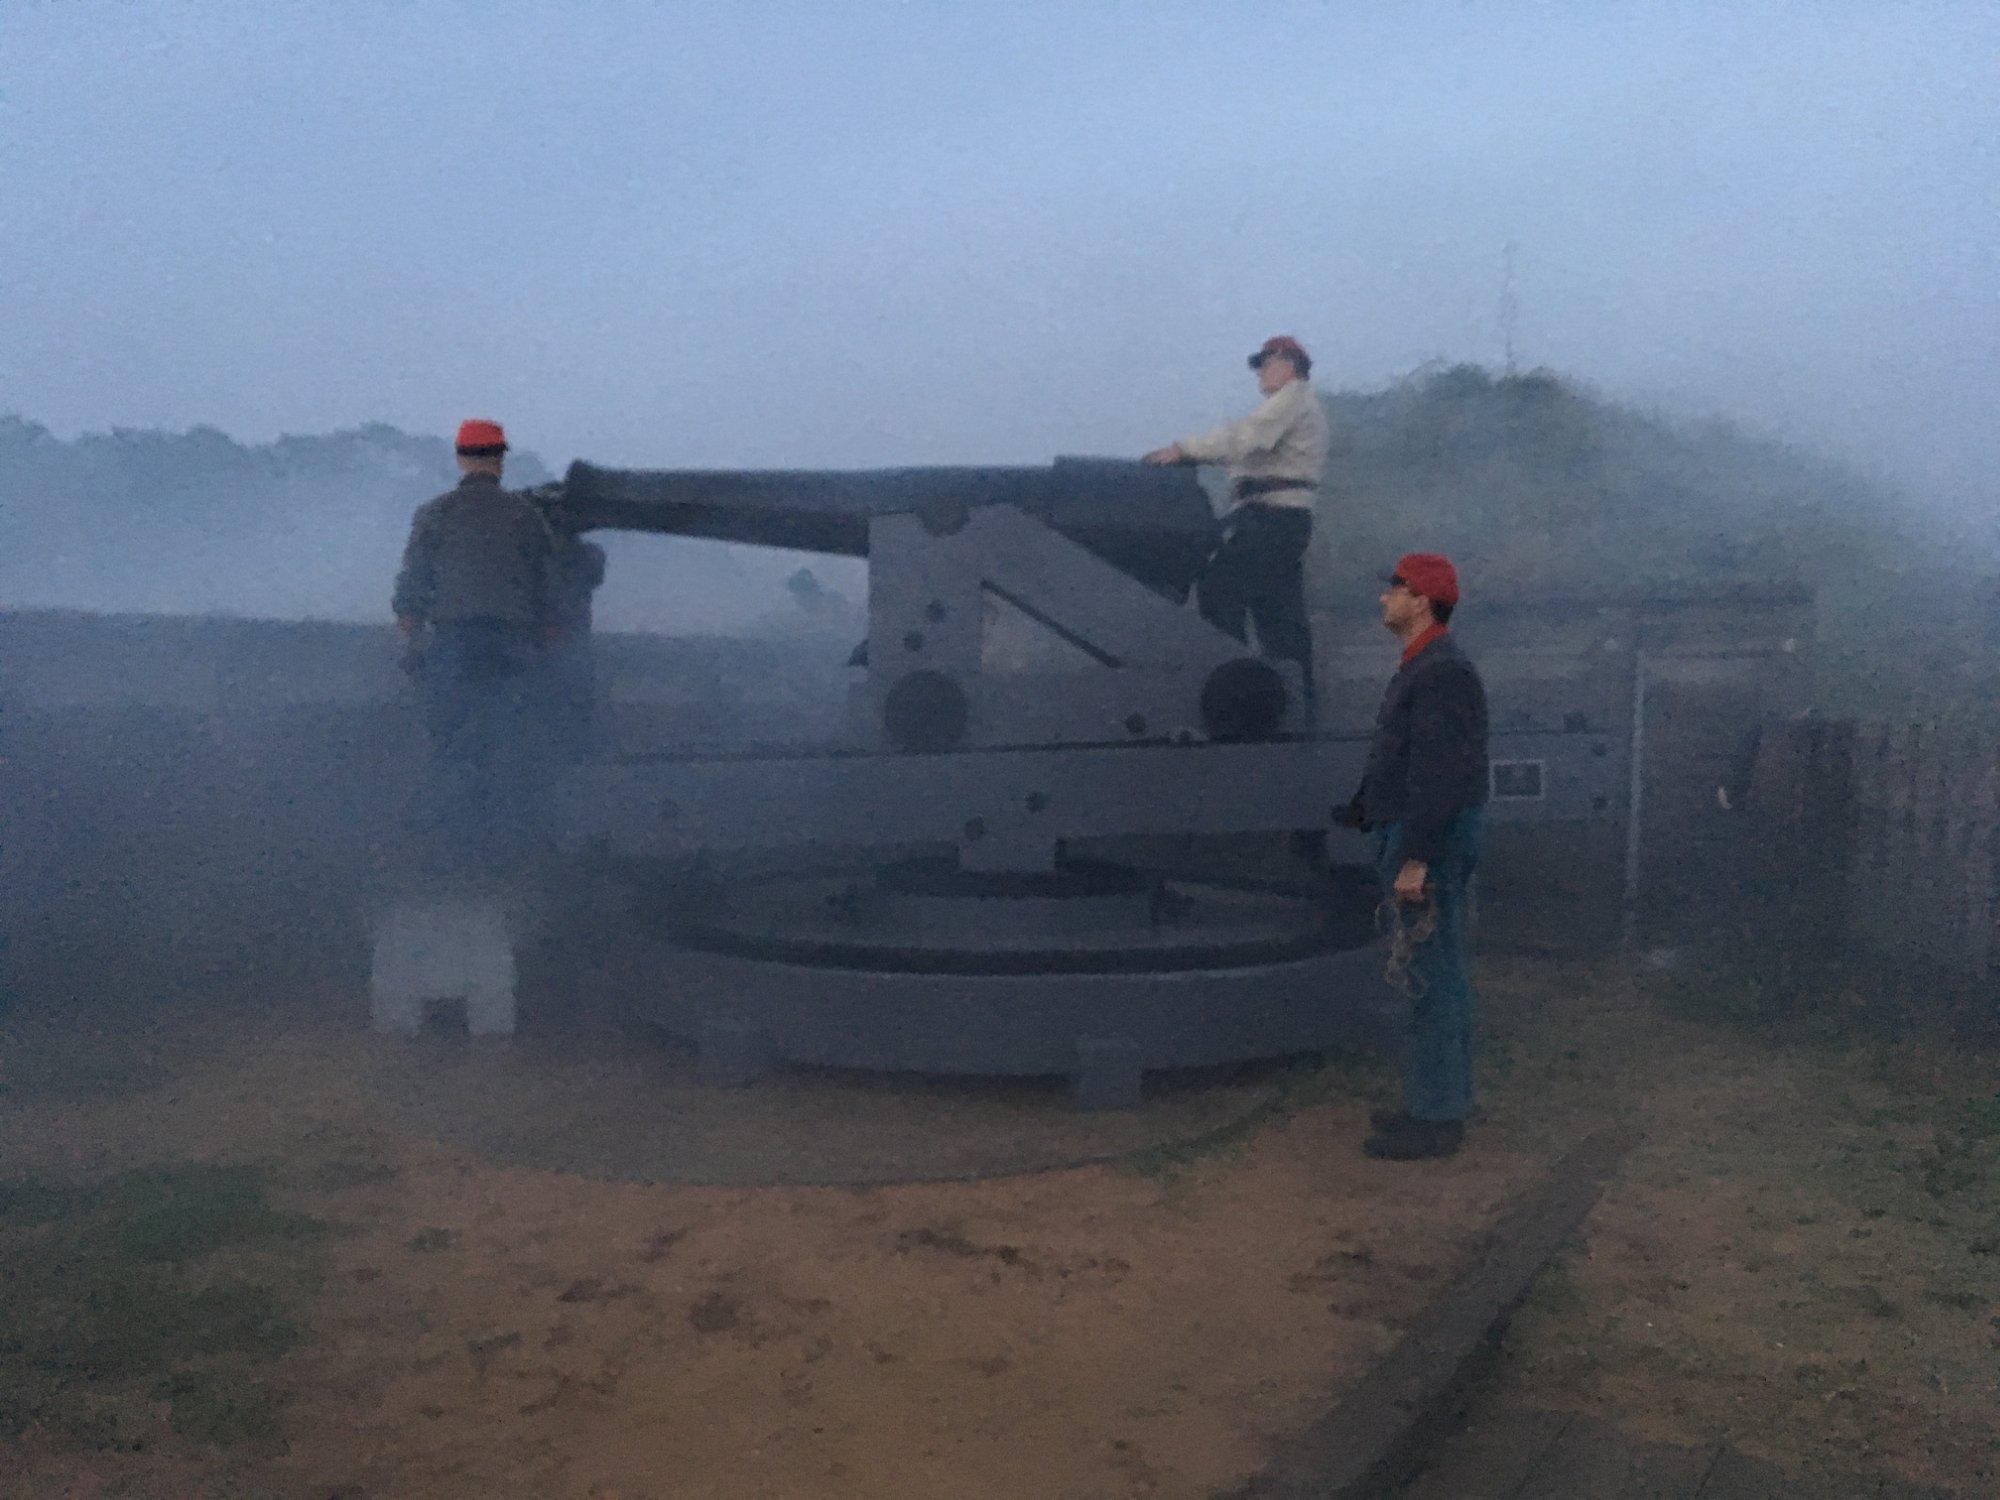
1275 457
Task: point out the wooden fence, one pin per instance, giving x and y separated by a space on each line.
1881 845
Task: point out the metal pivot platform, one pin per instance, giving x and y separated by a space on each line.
1095 972
1034 682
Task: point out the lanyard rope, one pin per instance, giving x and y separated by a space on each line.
1404 935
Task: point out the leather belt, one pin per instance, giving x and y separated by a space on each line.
1249 489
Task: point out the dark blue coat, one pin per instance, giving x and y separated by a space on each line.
1428 757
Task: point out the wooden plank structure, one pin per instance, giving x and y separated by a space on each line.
1881 844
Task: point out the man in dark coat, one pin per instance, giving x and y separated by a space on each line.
472 600
1423 795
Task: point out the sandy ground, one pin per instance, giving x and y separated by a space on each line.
1802 1257
485 1328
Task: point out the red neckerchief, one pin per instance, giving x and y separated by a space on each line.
1430 634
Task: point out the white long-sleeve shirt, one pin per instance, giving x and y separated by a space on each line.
1284 438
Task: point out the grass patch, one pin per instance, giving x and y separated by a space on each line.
169 1285
1963 1160
38 1073
1760 988
222 1408
1172 1160
1553 1292
1929 1154
1343 1073
98 1319
1976 1119
169 1214
1340 1073
1764 988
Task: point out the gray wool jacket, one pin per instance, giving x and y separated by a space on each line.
477 552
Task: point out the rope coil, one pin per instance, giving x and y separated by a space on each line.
1404 935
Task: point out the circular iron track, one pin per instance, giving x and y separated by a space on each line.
940 875
1337 928
805 954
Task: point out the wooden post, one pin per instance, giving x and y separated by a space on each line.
1973 873
1985 955
1898 902
1635 771
1830 804
1919 843
1939 893
1865 867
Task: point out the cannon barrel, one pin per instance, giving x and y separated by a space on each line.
1153 523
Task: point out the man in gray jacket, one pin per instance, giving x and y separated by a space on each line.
1275 457
473 600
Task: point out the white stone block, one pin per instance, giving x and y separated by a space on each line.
443 948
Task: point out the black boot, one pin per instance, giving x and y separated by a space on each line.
1418 1140
1384 1120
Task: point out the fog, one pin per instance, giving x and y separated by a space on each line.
859 235
311 528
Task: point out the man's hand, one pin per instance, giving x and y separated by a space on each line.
1171 454
1411 879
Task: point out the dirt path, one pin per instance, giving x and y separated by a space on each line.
1799 1260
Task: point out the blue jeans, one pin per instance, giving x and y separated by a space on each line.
1437 1075
569 699
482 798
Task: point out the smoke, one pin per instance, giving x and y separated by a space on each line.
306 528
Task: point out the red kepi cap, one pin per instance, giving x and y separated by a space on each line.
1283 346
479 438
1429 575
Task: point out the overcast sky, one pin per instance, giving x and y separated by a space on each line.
826 234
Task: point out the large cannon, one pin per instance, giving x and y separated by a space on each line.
956 885
1100 554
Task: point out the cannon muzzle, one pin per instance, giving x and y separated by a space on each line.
1153 523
